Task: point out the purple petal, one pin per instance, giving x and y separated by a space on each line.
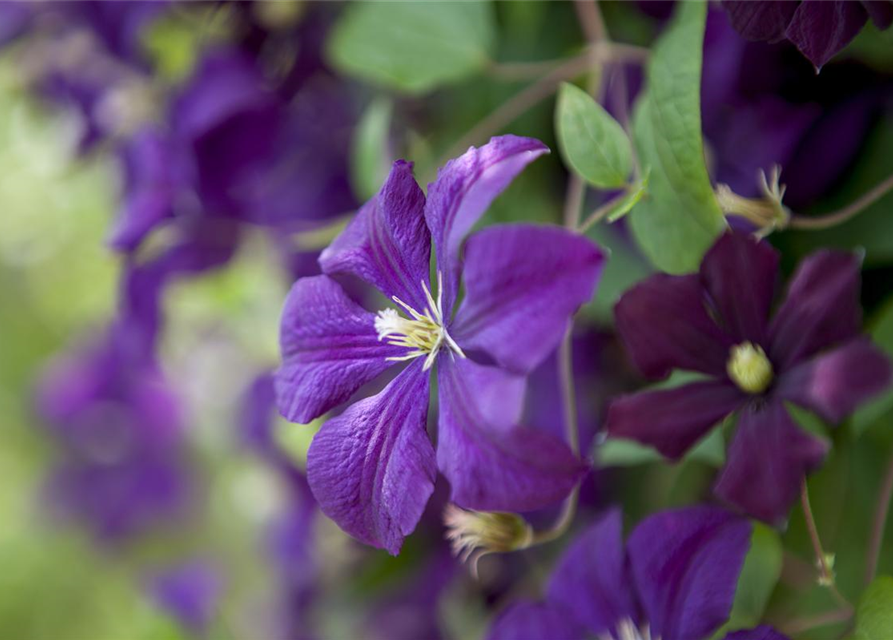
492 464
464 189
740 273
686 565
760 20
880 12
527 620
387 243
821 28
767 460
592 579
672 420
820 310
664 323
522 285
189 593
372 468
835 383
329 349
759 633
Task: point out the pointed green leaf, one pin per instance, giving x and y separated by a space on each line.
592 143
874 615
412 46
680 218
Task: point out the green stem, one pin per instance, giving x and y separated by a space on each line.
880 521
827 576
842 215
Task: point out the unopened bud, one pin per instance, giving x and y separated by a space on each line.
767 211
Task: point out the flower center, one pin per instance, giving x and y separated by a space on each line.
749 368
423 333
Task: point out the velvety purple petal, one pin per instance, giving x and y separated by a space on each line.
766 20
880 12
464 189
740 273
372 468
673 420
593 580
664 324
820 310
686 564
821 28
522 285
767 460
387 244
834 384
329 349
759 633
526 620
493 464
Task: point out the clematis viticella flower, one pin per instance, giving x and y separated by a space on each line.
819 28
372 468
718 323
674 579
121 467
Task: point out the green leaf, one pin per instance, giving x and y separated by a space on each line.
627 453
680 218
592 143
874 615
881 332
412 46
634 193
370 159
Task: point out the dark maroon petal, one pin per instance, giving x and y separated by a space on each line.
387 243
880 12
820 310
522 285
672 420
740 272
493 464
759 633
329 349
686 565
664 323
821 28
372 468
526 620
834 384
592 579
767 460
464 189
766 20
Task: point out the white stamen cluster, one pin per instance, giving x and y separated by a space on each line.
627 630
474 534
424 333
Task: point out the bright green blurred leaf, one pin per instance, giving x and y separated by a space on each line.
874 615
680 218
412 46
881 331
370 158
592 143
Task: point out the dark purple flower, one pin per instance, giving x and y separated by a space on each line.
819 28
189 593
118 427
372 468
717 323
675 579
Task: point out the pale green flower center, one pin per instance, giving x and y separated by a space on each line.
749 368
423 333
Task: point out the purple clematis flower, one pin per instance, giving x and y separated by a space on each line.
718 323
675 580
819 28
372 468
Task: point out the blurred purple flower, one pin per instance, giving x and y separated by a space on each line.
190 593
718 323
118 426
372 468
819 28
674 580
